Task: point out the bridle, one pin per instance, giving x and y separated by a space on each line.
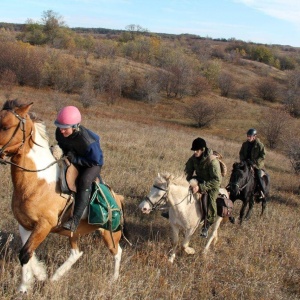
164 199
161 201
240 189
21 126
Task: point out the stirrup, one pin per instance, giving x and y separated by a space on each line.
204 232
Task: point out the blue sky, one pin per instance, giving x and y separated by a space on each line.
259 21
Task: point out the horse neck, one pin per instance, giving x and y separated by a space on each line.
34 155
177 194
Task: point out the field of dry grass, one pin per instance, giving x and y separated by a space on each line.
258 260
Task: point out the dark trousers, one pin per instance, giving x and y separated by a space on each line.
86 177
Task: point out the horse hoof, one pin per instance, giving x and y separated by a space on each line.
171 258
232 220
189 250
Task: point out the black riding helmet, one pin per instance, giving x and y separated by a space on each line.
198 144
251 132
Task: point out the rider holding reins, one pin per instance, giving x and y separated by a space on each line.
82 147
253 152
207 171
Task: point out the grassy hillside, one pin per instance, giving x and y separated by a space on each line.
258 260
133 89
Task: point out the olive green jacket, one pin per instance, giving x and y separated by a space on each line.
258 153
207 171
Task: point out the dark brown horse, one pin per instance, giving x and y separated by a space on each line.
36 201
243 186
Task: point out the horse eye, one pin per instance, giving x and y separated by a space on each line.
3 128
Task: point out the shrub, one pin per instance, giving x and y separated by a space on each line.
203 112
267 89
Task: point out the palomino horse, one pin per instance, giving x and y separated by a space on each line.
184 210
242 186
36 201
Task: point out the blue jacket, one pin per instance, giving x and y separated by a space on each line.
85 144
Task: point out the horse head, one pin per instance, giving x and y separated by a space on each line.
238 179
158 193
15 127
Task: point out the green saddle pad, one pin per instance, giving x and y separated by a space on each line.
103 208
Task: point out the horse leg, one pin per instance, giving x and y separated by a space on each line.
112 243
242 211
263 206
251 204
213 235
186 241
74 256
33 267
175 239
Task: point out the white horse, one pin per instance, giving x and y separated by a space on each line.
184 210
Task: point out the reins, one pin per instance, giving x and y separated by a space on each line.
238 186
164 199
4 162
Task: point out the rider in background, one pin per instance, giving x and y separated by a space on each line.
208 174
253 152
82 147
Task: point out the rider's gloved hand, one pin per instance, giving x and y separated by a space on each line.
71 156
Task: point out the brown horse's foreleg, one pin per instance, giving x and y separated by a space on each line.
33 267
36 237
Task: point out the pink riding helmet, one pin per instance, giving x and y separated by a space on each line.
68 117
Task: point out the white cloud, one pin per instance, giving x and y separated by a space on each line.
287 10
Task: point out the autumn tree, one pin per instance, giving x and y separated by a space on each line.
203 112
225 83
267 89
273 125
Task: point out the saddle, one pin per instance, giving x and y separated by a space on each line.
224 205
68 175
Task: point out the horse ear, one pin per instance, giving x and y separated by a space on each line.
24 109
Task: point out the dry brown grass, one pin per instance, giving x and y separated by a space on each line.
259 260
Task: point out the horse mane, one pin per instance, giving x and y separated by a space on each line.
41 128
39 124
168 177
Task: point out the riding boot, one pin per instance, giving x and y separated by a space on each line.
260 184
206 224
82 198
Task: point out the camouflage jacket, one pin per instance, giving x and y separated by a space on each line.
207 171
258 153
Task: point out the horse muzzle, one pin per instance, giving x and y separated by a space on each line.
145 207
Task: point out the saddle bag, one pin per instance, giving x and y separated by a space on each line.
103 209
224 206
